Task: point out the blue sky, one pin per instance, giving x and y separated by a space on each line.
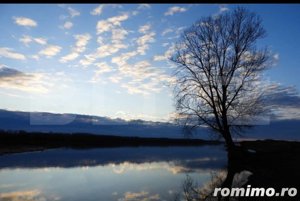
110 59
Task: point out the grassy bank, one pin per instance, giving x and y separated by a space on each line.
275 163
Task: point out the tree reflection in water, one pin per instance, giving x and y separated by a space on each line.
234 177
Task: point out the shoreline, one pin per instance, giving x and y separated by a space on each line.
21 141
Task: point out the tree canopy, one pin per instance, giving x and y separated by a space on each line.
218 72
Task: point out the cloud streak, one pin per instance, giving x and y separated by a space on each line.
175 9
11 54
102 67
73 13
80 46
26 40
144 40
50 51
223 8
97 10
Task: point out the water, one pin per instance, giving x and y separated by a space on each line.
107 174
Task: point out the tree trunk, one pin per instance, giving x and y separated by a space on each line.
228 140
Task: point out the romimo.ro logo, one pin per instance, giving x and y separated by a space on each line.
254 192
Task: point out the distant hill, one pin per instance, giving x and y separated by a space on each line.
51 122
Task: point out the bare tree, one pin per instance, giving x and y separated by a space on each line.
218 72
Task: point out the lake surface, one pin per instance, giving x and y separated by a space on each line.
106 174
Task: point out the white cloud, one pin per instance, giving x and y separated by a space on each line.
134 89
108 24
88 59
69 57
166 31
135 12
80 46
146 38
68 25
36 57
24 21
100 40
123 58
159 57
223 8
175 9
50 50
178 31
274 60
143 42
145 79
63 17
115 5
284 101
41 41
144 6
145 28
116 20
287 113
73 12
82 41
28 39
101 52
165 44
9 53
118 34
109 49
3 66
97 10
115 78
102 67
170 51
103 26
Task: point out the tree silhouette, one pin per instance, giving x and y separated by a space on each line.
218 73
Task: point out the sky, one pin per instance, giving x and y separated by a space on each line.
112 59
